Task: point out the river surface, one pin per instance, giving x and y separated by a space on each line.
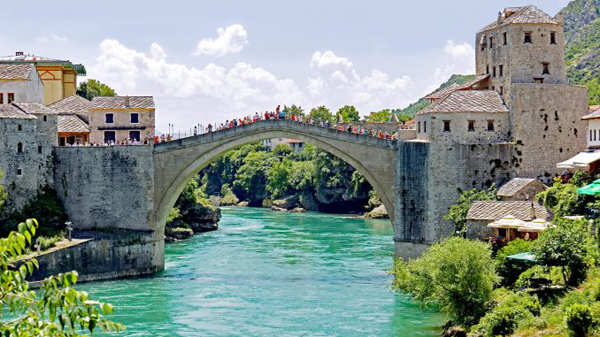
267 273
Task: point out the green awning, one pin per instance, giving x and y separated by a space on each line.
526 257
591 189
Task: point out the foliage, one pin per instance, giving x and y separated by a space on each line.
278 177
321 113
510 309
563 245
251 179
92 88
348 113
509 271
562 199
457 274
56 309
229 198
579 319
47 242
282 150
458 211
174 214
293 110
380 116
3 193
528 278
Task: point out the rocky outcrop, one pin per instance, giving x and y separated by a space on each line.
286 203
378 212
178 233
308 201
243 204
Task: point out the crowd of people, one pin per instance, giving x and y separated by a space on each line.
279 114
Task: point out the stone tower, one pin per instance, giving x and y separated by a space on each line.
522 51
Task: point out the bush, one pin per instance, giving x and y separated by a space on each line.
528 278
509 270
458 211
229 198
579 319
456 274
510 310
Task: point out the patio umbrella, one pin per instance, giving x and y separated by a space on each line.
535 226
508 221
591 189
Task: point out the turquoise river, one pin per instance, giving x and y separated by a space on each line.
267 273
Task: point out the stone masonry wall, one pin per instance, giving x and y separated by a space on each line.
106 187
547 126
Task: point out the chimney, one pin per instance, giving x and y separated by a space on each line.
499 18
126 101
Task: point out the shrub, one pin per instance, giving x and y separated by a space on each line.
510 309
229 198
508 270
527 279
579 319
456 274
458 211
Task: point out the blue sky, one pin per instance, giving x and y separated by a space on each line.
212 60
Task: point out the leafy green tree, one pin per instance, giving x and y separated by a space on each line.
564 245
282 150
301 176
510 271
508 311
458 211
93 88
251 179
349 114
457 274
380 116
278 179
294 109
56 308
321 113
562 199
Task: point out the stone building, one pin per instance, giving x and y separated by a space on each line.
121 118
73 120
521 189
481 213
20 83
58 76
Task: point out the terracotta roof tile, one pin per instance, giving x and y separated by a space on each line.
468 101
514 186
71 104
11 111
72 123
36 108
120 102
526 14
495 210
15 71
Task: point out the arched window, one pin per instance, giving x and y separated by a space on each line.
20 148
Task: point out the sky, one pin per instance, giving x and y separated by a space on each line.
208 61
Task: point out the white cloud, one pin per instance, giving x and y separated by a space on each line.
458 58
48 38
329 59
230 40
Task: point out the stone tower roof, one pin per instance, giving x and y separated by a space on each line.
72 123
515 185
15 71
11 111
71 104
468 101
521 15
35 108
123 102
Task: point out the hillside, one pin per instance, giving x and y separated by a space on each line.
422 103
582 50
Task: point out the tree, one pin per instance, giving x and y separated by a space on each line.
56 308
349 114
294 109
380 116
251 179
458 211
93 88
456 274
321 113
278 179
563 199
565 245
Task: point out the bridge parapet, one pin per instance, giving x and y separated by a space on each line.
266 125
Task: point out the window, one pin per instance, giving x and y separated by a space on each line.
134 135
591 135
493 88
491 42
11 97
109 137
504 38
135 118
110 118
19 127
471 126
487 69
501 70
425 126
39 149
594 135
19 172
483 43
553 38
20 148
1 98
501 90
494 71
446 126
539 80
527 38
418 127
45 118
546 68
490 126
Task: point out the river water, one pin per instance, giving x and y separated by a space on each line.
267 273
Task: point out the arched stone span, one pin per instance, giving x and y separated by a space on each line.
177 161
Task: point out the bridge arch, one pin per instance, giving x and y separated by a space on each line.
178 161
